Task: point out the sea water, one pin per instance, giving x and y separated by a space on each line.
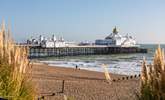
124 64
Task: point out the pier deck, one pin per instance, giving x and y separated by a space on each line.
37 52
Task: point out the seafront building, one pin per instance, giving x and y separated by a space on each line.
115 39
48 42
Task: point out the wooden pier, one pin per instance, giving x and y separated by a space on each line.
38 52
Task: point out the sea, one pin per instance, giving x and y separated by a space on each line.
124 64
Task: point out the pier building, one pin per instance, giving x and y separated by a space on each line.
115 39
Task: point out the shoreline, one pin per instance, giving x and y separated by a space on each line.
78 69
81 84
121 68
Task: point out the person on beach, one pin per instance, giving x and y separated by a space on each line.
76 66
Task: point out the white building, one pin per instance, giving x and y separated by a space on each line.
53 42
115 39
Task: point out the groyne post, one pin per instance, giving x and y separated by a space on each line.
63 85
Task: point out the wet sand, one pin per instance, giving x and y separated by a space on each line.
81 84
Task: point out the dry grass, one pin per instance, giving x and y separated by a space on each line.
153 78
107 76
15 81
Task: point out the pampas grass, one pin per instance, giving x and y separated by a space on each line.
107 76
153 78
15 79
68 98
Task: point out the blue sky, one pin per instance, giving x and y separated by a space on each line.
78 20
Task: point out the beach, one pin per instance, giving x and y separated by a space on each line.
81 84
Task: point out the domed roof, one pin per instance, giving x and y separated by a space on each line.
114 32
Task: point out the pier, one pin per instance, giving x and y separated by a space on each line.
39 52
114 43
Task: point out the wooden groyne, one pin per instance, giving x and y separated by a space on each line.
37 52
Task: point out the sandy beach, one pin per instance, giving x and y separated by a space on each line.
82 84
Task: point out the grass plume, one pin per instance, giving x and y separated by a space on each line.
107 76
15 81
153 78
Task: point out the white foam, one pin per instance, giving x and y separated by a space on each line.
125 68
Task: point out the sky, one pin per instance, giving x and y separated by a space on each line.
85 20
